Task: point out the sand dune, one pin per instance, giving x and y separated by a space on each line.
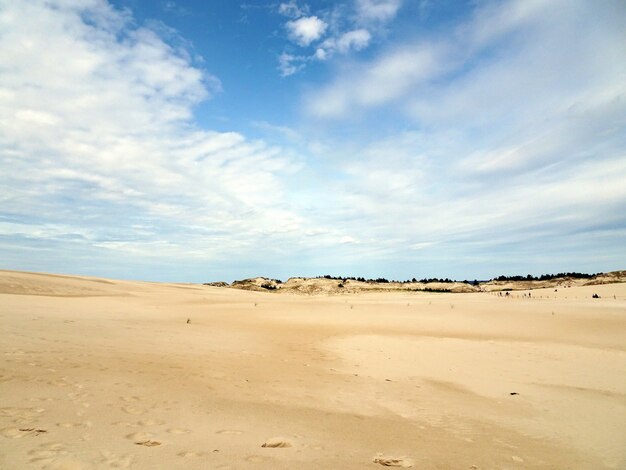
110 374
320 285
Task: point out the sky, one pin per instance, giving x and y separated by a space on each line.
195 141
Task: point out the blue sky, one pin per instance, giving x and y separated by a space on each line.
197 141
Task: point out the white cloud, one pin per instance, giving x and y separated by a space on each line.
451 63
306 30
421 245
515 139
357 39
321 54
288 64
97 138
352 40
292 9
345 31
377 10
518 115
346 239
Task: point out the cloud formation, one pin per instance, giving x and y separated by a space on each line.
292 9
492 145
352 40
305 30
377 10
99 150
516 132
346 29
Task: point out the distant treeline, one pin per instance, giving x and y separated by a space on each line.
529 277
383 280
545 277
352 278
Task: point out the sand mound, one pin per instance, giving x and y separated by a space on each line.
276 443
258 284
216 284
327 286
324 286
20 283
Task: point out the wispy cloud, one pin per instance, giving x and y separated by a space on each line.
292 9
352 40
377 10
171 6
494 143
288 64
516 122
97 140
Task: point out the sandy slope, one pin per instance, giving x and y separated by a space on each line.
352 381
328 286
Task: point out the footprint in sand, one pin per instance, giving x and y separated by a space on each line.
139 436
116 461
130 399
86 424
150 422
231 432
124 423
148 443
187 454
8 411
133 410
178 431
47 453
16 433
393 461
257 459
277 443
40 399
68 463
11 433
30 412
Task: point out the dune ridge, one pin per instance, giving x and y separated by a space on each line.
321 285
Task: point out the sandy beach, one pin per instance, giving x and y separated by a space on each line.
116 374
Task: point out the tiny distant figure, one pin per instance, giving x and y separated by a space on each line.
595 296
188 320
529 294
506 295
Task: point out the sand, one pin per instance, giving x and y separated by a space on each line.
111 374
